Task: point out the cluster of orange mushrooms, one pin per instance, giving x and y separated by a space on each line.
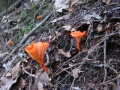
37 50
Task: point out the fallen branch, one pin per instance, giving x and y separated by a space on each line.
34 29
11 8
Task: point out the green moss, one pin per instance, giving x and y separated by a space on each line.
24 31
34 6
23 13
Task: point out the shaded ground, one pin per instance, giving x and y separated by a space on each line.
95 67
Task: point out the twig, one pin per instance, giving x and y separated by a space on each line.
34 29
72 84
65 69
101 41
118 84
105 70
67 62
112 69
11 53
109 81
32 75
48 60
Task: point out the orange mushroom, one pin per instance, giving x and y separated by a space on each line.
11 43
37 52
78 35
39 17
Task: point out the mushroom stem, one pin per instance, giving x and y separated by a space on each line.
78 43
43 66
78 35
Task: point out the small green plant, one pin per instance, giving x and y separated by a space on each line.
34 6
24 31
23 13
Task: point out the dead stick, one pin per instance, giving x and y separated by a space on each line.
105 70
34 29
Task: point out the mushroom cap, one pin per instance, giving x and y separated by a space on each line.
78 34
11 43
39 17
37 50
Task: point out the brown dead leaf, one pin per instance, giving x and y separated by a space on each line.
7 82
117 25
16 70
100 28
71 10
73 2
106 1
19 85
8 74
44 78
108 29
67 16
75 72
40 86
67 54
22 83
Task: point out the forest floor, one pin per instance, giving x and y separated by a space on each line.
95 66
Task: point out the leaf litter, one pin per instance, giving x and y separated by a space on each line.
94 67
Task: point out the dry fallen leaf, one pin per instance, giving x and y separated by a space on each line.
73 29
75 72
108 28
22 83
100 28
67 27
67 54
74 2
106 1
7 82
57 19
76 88
71 65
61 4
40 86
15 70
117 25
44 78
71 10
2 54
8 74
67 16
